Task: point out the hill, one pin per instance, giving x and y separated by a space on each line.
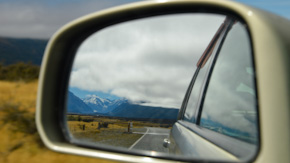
129 110
121 108
102 105
21 50
77 106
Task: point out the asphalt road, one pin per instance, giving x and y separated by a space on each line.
152 140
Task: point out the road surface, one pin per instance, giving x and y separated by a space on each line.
152 140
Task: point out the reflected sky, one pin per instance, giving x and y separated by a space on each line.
230 102
150 60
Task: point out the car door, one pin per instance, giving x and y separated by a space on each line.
219 117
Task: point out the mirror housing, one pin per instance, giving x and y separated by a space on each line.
268 39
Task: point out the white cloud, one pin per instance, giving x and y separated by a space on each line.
148 60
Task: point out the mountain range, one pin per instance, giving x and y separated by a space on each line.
14 50
102 105
122 108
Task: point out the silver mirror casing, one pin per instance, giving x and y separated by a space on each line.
268 38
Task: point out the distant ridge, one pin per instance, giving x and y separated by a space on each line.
122 108
14 50
102 105
128 110
77 106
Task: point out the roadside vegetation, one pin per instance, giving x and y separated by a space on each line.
110 134
108 130
19 139
19 72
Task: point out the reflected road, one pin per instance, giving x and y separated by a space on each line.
152 140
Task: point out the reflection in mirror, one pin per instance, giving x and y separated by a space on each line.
128 80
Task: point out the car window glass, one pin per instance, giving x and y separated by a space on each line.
230 101
196 92
198 86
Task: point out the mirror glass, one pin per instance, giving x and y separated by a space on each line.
128 81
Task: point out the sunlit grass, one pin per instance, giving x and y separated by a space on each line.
17 145
19 93
116 134
108 130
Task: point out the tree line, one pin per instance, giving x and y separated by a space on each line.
19 72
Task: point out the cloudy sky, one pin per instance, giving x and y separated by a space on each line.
41 18
149 60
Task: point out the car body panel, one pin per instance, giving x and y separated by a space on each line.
191 144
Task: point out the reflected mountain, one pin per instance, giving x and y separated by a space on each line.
76 106
122 108
102 105
129 110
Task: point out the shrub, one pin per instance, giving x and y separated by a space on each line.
87 119
19 71
19 120
105 124
72 118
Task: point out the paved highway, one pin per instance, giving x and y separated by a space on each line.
152 140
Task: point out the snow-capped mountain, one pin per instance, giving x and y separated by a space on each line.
95 105
117 103
102 105
77 106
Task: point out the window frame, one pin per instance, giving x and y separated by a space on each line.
216 42
241 149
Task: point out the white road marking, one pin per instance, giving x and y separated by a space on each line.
150 133
138 139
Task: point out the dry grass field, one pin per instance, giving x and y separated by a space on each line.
113 135
108 131
19 140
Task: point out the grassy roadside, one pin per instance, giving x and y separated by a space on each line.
19 140
111 131
113 135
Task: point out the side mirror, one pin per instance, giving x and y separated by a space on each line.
114 78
